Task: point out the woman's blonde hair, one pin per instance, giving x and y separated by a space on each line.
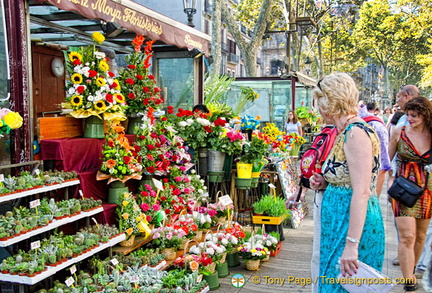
337 95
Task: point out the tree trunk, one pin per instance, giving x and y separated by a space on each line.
216 44
249 48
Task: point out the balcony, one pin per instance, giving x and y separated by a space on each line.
258 60
233 58
243 29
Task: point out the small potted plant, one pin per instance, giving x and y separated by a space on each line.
252 253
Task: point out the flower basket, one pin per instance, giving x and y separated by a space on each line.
170 253
198 236
223 259
252 264
129 242
212 267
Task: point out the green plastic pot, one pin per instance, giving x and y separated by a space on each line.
254 182
215 177
243 183
232 259
94 127
116 189
212 281
222 269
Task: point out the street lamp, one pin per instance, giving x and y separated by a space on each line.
190 9
308 65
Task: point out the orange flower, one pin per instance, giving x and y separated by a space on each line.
129 231
194 265
125 216
137 42
118 127
111 163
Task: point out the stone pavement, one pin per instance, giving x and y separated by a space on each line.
294 259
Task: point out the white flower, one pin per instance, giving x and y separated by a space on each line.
203 122
234 240
220 249
189 121
208 218
268 243
91 99
224 241
194 249
193 171
99 55
183 123
200 191
210 251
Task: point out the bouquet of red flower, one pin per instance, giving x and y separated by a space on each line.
138 85
119 162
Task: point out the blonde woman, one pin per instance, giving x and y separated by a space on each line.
352 228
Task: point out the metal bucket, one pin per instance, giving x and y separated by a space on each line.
216 160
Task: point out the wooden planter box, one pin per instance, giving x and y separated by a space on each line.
267 220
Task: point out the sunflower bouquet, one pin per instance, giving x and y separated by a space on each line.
138 86
92 88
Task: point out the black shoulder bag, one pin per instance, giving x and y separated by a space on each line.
406 191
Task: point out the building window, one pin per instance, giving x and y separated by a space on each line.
232 46
4 58
207 26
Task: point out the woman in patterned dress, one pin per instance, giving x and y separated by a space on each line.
351 222
412 144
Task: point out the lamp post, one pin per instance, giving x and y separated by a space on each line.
308 65
190 9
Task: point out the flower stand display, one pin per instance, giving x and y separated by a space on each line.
212 280
115 190
94 127
227 167
222 270
252 264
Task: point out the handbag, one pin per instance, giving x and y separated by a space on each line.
405 191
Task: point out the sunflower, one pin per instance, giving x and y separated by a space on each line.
119 98
76 78
100 81
103 65
76 101
100 105
75 56
98 37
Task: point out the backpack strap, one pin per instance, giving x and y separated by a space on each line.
371 118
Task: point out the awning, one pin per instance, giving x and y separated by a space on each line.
139 19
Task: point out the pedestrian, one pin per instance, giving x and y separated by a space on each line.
293 124
411 144
383 135
352 227
388 113
199 109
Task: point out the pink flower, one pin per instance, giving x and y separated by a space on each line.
156 207
145 207
156 235
152 193
169 236
178 179
148 218
186 190
186 179
212 213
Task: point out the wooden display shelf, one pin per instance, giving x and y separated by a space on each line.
54 224
138 242
13 196
53 270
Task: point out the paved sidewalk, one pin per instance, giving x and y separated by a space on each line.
293 261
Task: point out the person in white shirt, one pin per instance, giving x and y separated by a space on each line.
293 124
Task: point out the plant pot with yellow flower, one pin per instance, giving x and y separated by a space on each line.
9 120
252 253
93 91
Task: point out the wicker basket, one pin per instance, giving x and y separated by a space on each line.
212 267
252 264
223 259
267 258
128 242
170 253
198 236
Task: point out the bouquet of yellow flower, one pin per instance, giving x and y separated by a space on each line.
131 220
119 157
92 89
295 142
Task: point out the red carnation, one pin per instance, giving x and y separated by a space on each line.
80 89
137 148
131 66
127 159
150 157
131 96
164 118
146 89
151 169
109 98
151 76
208 129
150 147
165 180
76 62
163 198
111 144
142 137
139 76
111 74
167 211
92 73
114 85
130 81
146 101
